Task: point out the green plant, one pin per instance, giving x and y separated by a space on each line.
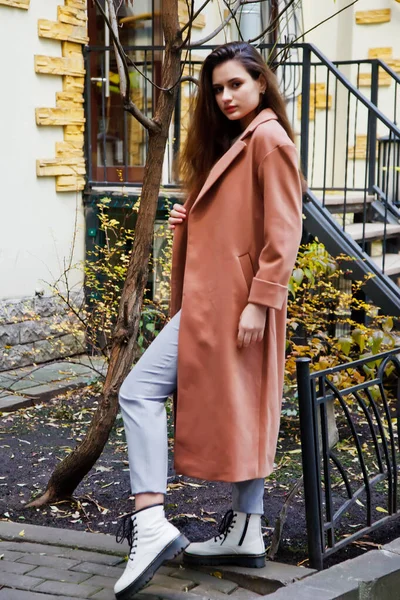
105 271
321 325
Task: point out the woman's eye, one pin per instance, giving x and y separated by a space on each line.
236 84
217 90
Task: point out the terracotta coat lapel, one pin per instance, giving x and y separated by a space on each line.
219 168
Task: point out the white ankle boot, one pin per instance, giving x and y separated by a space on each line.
239 542
152 540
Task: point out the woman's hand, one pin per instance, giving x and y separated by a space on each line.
251 325
177 215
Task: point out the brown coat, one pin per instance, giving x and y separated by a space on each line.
238 244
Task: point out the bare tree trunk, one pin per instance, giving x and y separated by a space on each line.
70 472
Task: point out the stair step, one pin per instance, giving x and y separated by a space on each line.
354 202
339 199
392 263
373 231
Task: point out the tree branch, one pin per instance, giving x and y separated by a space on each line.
211 35
273 23
123 70
190 80
280 521
195 15
234 15
284 50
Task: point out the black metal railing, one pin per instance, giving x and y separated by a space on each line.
350 449
339 128
380 78
350 153
384 85
349 149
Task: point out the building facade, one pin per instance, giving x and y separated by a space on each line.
66 143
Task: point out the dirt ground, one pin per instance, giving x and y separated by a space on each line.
33 440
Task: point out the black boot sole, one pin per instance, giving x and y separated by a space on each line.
250 560
168 553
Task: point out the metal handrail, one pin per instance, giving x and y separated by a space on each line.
356 92
371 61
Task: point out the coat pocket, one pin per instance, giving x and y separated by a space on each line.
247 268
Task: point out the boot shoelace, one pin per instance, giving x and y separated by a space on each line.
127 530
226 525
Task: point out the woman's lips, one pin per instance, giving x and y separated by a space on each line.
230 109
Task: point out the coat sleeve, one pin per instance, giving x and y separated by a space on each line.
280 184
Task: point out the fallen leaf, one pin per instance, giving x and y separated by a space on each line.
195 485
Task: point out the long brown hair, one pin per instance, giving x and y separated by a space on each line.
210 131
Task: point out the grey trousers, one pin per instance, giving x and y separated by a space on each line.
142 400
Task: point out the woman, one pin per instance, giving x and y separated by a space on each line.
235 244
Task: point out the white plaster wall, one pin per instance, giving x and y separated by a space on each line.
36 223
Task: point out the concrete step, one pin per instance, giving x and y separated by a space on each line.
392 263
373 231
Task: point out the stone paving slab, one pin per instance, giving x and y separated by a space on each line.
13 402
59 371
63 575
67 538
96 569
17 384
15 567
21 582
205 580
31 384
92 557
42 560
102 581
75 590
264 581
183 585
10 555
26 547
8 594
168 594
47 390
105 595
206 592
242 594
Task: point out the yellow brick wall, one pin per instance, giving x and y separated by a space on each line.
68 164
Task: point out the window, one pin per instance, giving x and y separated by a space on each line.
117 142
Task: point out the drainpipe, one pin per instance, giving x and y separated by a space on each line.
250 20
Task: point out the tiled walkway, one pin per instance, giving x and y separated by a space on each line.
40 563
27 385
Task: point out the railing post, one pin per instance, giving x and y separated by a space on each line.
310 466
372 127
305 109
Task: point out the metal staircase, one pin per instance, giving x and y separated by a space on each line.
349 146
350 155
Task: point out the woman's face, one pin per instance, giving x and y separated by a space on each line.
236 92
